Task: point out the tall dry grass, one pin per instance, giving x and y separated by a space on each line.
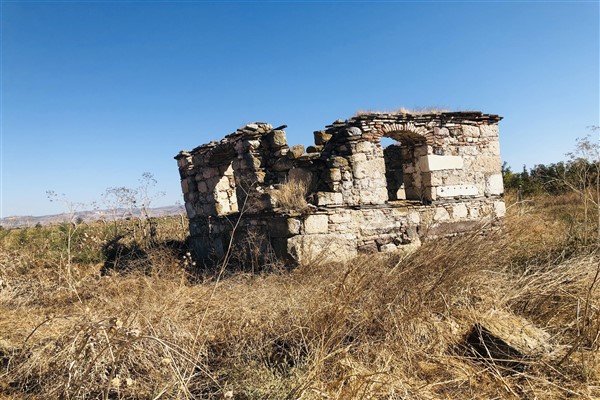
375 327
291 196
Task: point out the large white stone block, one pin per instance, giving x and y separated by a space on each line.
499 209
489 130
456 190
316 224
308 249
459 211
494 184
377 195
329 198
441 214
438 163
371 168
414 217
470 131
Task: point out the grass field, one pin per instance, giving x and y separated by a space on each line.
84 316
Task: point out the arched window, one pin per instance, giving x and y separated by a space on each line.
403 171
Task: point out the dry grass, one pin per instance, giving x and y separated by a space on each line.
377 327
404 110
291 196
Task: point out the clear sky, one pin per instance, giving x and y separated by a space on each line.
96 93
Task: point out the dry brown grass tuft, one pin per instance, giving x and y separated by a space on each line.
403 110
291 196
375 327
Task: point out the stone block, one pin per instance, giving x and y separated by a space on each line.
223 184
369 169
470 131
353 131
494 184
334 175
499 209
377 195
388 248
456 191
283 227
473 212
183 162
222 208
276 139
368 248
321 137
459 211
401 193
340 218
494 148
191 197
508 340
437 163
295 151
359 157
451 228
317 223
329 198
441 214
184 186
306 249
337 162
363 146
414 217
221 196
488 130
190 210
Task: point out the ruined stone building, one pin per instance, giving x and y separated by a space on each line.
440 176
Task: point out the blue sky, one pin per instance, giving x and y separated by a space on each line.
96 93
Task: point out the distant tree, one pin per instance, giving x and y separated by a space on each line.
580 172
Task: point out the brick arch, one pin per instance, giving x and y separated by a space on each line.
402 131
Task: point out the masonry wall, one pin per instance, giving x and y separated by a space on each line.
441 177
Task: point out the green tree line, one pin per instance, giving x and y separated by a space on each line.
580 173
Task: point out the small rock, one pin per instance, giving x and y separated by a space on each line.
507 340
321 137
353 131
388 248
295 151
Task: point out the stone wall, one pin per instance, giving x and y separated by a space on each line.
441 177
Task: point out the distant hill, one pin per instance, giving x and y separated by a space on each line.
86 216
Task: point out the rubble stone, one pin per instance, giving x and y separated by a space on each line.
507 340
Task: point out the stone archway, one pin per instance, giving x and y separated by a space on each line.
406 131
403 173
